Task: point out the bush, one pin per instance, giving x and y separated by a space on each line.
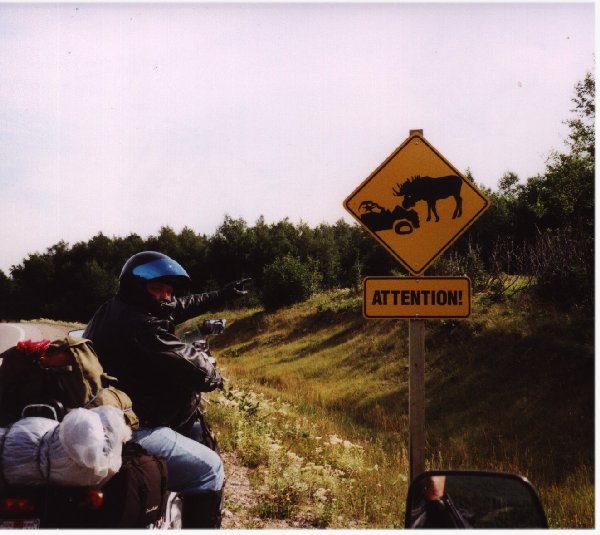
467 262
286 281
563 264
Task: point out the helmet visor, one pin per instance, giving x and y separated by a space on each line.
162 267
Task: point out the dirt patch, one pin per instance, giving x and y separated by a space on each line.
240 499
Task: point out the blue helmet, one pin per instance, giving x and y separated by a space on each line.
151 266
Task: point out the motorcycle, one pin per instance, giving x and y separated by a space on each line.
54 506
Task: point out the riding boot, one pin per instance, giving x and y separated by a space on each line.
202 510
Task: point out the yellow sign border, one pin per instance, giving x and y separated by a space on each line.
443 248
423 280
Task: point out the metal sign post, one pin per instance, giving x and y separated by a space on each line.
416 396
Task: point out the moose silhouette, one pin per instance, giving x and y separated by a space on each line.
430 190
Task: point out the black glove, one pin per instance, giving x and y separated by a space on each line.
234 289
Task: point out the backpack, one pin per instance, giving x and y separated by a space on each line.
136 496
65 374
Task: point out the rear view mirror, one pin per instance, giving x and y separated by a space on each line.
473 499
77 333
200 331
213 326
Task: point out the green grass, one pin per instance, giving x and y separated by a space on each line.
511 388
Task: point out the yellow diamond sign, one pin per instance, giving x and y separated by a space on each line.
416 203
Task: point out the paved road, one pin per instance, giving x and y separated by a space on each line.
11 333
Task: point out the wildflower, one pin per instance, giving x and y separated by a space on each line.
321 494
334 439
294 458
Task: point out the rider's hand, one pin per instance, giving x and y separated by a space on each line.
235 289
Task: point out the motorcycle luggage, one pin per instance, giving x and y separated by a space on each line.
136 497
66 370
85 449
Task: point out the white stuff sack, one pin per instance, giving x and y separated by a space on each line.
87 448
92 441
21 451
84 449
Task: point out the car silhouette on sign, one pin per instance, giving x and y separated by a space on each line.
377 218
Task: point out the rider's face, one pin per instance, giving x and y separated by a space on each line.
160 291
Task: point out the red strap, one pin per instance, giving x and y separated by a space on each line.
34 348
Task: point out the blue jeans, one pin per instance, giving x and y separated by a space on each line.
191 466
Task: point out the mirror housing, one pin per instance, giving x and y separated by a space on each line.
213 326
77 333
473 499
199 332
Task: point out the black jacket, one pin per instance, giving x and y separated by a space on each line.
136 342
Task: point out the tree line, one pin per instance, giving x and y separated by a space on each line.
541 229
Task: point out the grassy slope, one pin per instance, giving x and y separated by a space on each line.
511 388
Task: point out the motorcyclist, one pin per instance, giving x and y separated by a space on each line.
433 507
134 336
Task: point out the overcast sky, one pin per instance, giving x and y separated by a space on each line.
123 118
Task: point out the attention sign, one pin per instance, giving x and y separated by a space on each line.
416 297
416 204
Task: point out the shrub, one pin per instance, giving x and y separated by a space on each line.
467 262
563 264
286 281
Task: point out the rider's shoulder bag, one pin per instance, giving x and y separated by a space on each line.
136 496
